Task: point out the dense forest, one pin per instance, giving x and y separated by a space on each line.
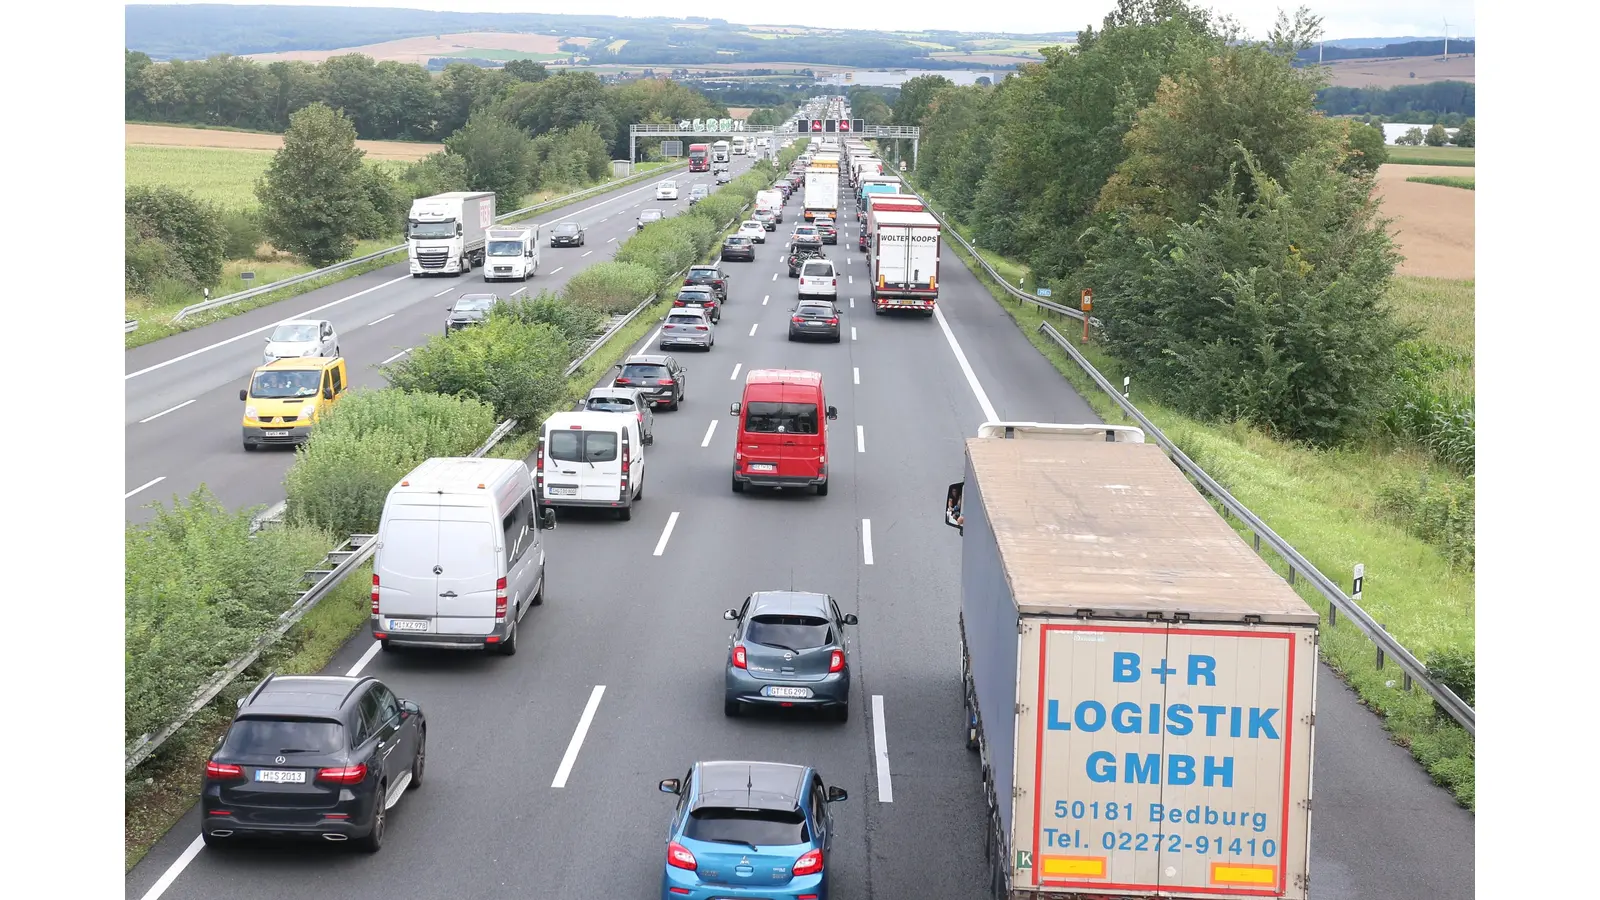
1331 53
1406 102
399 101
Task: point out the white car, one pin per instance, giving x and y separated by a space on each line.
752 230
650 215
667 190
301 337
723 177
818 278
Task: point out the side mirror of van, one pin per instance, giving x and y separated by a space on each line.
547 519
243 394
833 412
732 615
733 410
952 507
327 393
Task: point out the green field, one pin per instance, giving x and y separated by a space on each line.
1432 156
1469 184
223 176
614 46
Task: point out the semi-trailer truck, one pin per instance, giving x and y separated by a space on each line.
1140 685
903 256
513 253
822 191
446 233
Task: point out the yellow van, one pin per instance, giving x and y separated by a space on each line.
287 396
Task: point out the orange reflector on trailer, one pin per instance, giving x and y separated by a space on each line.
1075 866
1233 873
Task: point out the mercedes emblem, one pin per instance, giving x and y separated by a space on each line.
281 760
438 570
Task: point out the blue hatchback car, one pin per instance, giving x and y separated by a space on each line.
749 829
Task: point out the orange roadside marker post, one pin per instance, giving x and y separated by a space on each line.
1087 305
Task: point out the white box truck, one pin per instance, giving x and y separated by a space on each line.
822 193
771 200
446 232
1140 684
513 253
903 255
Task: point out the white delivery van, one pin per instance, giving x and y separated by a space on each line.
592 459
771 200
459 558
513 253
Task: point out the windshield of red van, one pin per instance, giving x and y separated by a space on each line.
763 417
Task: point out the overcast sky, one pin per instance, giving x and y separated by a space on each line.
1342 18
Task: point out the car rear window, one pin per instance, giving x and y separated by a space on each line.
256 737
794 632
817 270
762 827
823 311
765 417
702 276
644 372
610 404
685 320
582 446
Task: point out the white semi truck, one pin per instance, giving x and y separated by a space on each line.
447 232
822 192
1141 686
513 253
903 256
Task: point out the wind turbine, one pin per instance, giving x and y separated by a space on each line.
1446 38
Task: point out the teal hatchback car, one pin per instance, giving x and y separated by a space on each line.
749 830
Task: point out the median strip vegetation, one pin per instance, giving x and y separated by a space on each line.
201 589
1245 282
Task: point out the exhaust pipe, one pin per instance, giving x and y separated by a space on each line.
335 837
221 834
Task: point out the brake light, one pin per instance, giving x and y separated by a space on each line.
677 303
738 656
701 328
624 381
834 320
797 320
500 600
836 282
836 661
627 458
223 770
374 593
679 857
809 864
344 774
664 381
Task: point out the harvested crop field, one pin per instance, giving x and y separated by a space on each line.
740 112
174 136
421 49
1434 226
1394 71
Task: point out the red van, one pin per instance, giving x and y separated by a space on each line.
782 439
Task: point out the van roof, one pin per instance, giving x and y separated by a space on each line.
458 475
585 420
782 376
298 364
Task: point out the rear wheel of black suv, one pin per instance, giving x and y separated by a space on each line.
373 842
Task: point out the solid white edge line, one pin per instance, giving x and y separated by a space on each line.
239 337
362 662
442 293
174 870
753 329
395 357
165 411
735 375
151 483
880 747
571 757
666 533
653 335
710 430
866 541
857 373
384 319
861 439
966 368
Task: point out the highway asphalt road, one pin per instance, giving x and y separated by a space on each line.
182 393
543 767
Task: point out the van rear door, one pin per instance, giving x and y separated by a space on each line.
408 589
584 464
468 570
783 434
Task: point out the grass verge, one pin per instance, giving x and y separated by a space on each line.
155 315
1432 156
1446 180
170 782
1326 505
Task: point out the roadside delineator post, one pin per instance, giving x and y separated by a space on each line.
1086 303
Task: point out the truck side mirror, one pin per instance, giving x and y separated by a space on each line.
547 520
327 393
952 507
733 409
833 412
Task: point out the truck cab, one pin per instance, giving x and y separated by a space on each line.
446 233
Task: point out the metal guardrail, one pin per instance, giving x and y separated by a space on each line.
130 326
341 266
344 560
1412 668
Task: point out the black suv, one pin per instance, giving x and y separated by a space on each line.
702 297
659 378
710 276
313 756
735 247
566 234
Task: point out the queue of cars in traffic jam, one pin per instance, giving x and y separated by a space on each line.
460 561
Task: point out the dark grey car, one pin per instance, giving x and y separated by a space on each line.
662 380
469 309
814 319
788 649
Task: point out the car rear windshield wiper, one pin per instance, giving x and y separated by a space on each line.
753 847
297 750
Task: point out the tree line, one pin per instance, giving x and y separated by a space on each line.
398 101
1310 55
1228 229
1405 102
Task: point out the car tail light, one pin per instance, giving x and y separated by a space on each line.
688 281
797 320
344 774
677 303
679 857
223 770
627 459
374 593
718 282
836 661
738 656
664 381
836 282
624 381
701 328
834 320
809 864
500 600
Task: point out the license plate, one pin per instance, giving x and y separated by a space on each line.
762 467
276 434
409 625
558 491
798 693
280 776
